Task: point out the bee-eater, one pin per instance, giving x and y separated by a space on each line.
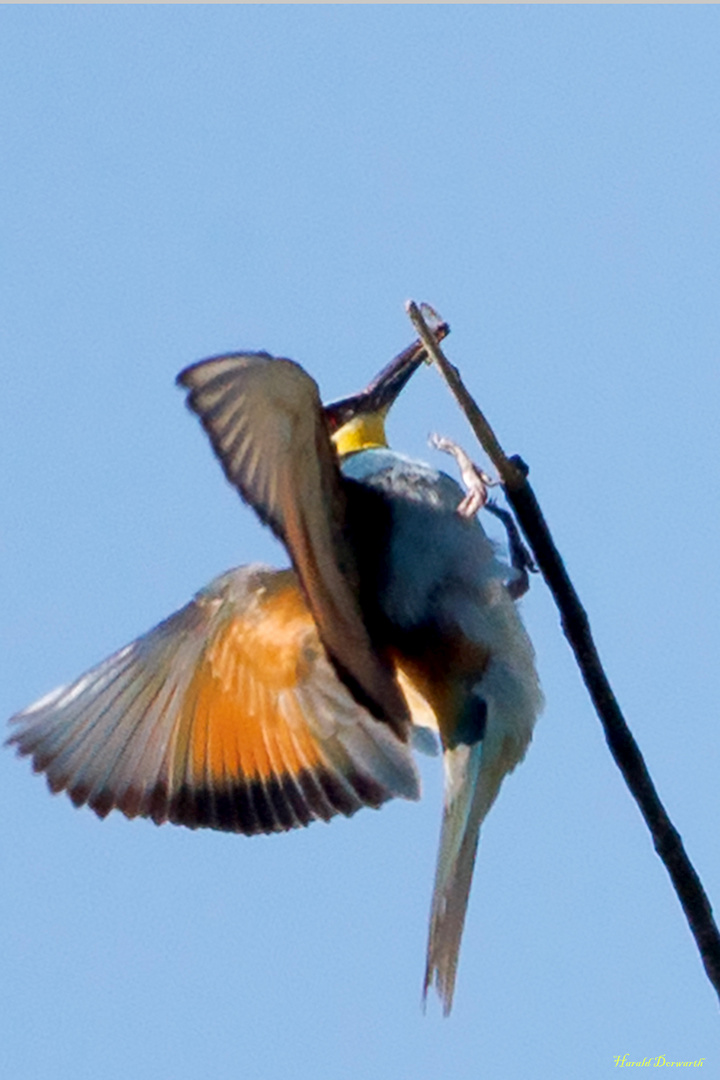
277 697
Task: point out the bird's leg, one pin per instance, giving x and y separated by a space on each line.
520 558
477 483
475 480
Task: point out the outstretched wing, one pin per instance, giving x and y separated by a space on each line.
265 422
227 715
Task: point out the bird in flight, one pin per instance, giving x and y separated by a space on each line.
279 697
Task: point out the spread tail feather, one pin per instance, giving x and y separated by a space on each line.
472 781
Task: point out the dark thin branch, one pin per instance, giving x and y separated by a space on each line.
576 627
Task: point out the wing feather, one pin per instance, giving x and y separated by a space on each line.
227 715
265 422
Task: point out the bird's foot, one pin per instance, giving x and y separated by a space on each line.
520 558
475 480
477 483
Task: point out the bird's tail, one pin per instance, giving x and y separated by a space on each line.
472 780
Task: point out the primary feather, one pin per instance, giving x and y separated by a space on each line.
228 715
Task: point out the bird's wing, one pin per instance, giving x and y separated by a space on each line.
265 422
226 715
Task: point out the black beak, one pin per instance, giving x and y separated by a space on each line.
379 395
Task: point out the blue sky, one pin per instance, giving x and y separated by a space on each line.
177 181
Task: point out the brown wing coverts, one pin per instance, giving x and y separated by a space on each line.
227 715
265 422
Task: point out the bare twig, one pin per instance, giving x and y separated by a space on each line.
624 749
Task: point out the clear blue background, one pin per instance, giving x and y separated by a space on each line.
178 181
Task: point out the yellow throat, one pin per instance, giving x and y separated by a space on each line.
364 432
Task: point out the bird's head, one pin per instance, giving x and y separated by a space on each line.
358 422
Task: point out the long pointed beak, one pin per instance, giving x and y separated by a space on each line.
379 395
